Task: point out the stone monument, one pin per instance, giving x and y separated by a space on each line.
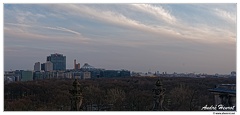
159 92
76 98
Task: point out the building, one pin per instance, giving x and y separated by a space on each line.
86 75
58 60
48 66
76 65
115 73
87 67
9 76
233 74
225 94
26 76
38 75
37 66
43 66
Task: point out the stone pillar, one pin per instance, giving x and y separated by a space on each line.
76 98
159 92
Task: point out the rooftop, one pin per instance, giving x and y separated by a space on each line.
225 88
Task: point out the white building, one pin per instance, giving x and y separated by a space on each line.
86 75
48 66
37 66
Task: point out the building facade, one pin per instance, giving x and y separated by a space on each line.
58 60
76 65
48 66
37 66
86 75
43 66
27 76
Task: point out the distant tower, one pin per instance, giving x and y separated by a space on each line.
74 63
76 66
76 98
159 92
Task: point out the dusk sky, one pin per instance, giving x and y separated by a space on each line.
180 38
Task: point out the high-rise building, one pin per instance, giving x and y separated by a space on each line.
48 66
43 66
58 60
37 66
76 66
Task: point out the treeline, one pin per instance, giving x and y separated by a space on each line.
111 94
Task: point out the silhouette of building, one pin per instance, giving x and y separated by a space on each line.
58 60
37 66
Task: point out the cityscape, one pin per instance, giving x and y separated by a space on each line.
120 57
55 67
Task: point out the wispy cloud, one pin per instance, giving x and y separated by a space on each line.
157 11
45 27
229 16
43 33
175 28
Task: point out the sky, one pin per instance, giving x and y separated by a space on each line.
182 38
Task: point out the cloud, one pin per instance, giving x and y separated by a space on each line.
173 27
229 16
24 31
158 12
45 27
132 31
97 14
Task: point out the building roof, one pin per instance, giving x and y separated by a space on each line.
225 88
86 66
221 90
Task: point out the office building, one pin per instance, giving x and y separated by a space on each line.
58 60
37 66
48 66
43 66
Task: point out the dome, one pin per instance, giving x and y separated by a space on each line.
86 66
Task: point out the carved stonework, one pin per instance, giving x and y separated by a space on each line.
76 98
159 92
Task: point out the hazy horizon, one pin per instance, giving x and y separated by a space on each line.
180 38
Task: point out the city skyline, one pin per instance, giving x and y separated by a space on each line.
197 38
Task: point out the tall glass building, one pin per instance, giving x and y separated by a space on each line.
58 60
